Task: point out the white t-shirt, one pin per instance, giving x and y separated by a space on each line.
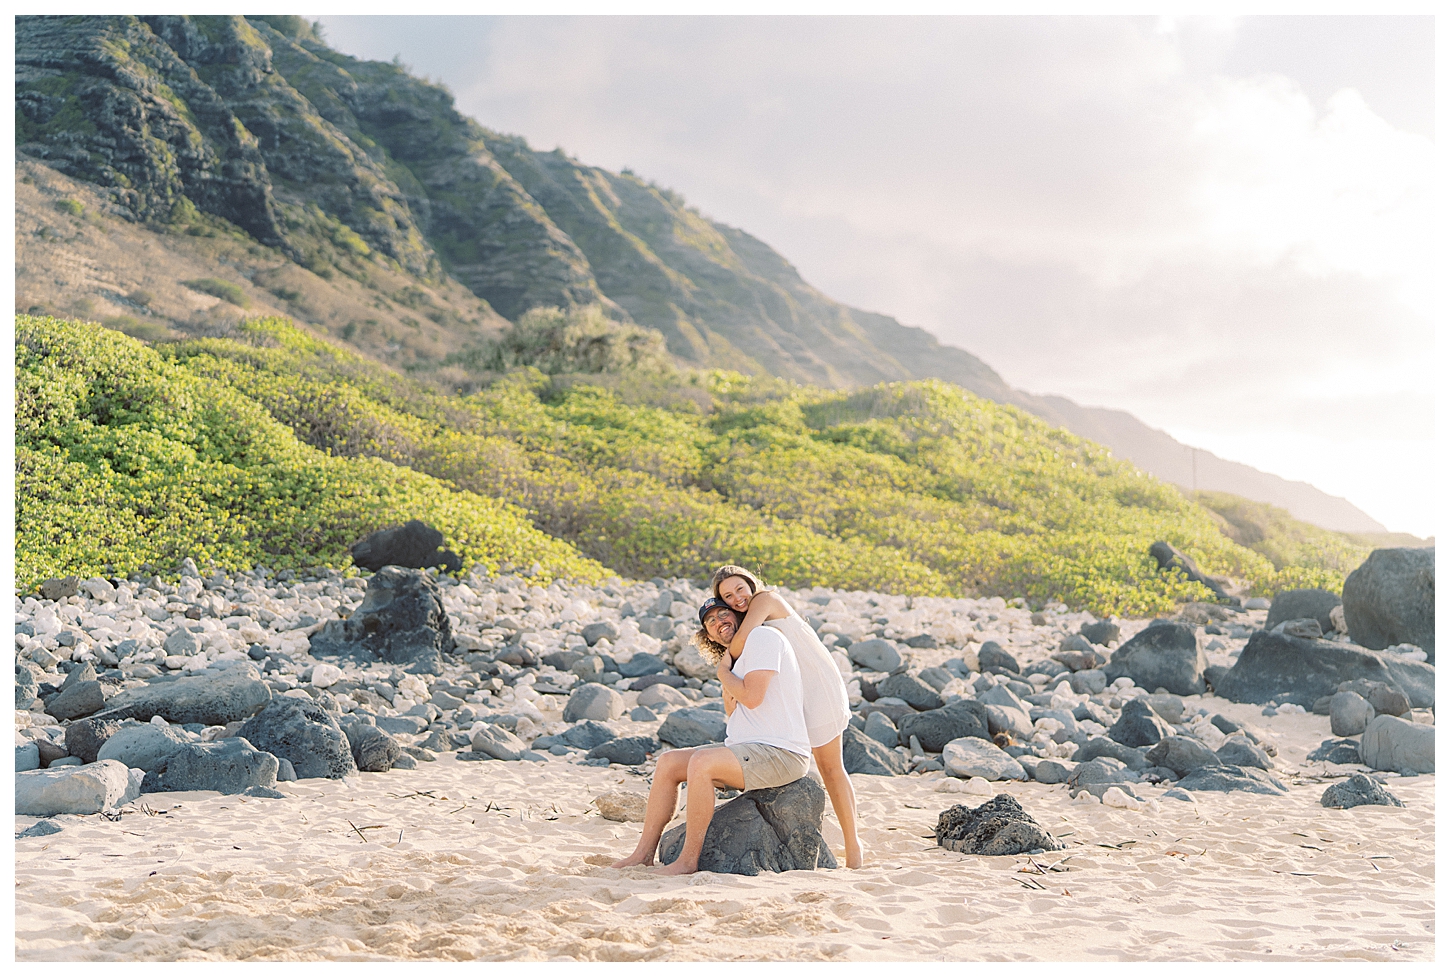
779 720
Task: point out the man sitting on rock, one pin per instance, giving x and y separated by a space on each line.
766 744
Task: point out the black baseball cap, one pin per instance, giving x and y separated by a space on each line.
710 605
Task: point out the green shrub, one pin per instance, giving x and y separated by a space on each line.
73 207
222 289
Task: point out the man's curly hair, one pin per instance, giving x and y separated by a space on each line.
710 649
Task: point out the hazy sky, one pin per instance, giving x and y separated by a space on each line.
1223 226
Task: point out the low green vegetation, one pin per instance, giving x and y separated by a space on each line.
222 289
126 461
73 207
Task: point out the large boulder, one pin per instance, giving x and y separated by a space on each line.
1138 725
1301 670
861 754
998 827
401 621
1226 778
1164 654
1355 791
1135 758
594 701
913 691
1182 754
229 765
627 750
414 544
81 699
303 733
1391 743
499 743
1170 557
992 655
936 728
693 727
85 738
87 789
1292 605
777 829
972 757
224 693
373 750
875 654
1390 599
1349 713
144 745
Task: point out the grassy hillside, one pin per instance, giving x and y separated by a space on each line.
127 461
298 446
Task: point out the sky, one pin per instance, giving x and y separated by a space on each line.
1224 226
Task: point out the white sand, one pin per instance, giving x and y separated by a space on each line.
508 861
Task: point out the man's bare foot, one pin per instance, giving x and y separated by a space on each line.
637 858
677 867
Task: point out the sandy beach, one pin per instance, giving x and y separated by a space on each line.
508 861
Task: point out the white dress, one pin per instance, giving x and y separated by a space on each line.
823 691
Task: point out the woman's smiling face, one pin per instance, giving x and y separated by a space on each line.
736 592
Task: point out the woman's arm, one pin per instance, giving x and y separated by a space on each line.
764 606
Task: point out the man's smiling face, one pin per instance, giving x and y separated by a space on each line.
720 624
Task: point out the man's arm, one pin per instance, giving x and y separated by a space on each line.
750 691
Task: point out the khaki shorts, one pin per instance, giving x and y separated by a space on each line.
769 766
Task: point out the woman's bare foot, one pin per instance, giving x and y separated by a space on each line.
676 868
636 858
854 860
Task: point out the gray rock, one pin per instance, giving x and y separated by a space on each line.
1100 632
936 728
587 735
593 701
1138 725
628 750
657 627
1336 751
59 588
1098 774
1229 778
1385 700
881 729
1349 714
183 642
591 633
643 663
562 660
1178 794
1181 754
409 725
1089 681
27 684
27 756
1390 599
937 678
271 793
414 544
87 789
1168 707
1051 771
1013 722
285 770
695 726
1287 669
405 761
83 739
650 681
1163 655
972 757
1101 746
875 654
662 697
213 697
1391 743
77 701
912 691
40 829
1357 790
401 621
499 743
1291 605
144 745
1238 751
998 827
772 830
897 710
1305 627
304 734
920 641
1170 558
642 714
373 750
588 668
860 754
1077 643
228 765
993 655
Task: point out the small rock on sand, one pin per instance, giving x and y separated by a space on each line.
1358 790
621 805
998 827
